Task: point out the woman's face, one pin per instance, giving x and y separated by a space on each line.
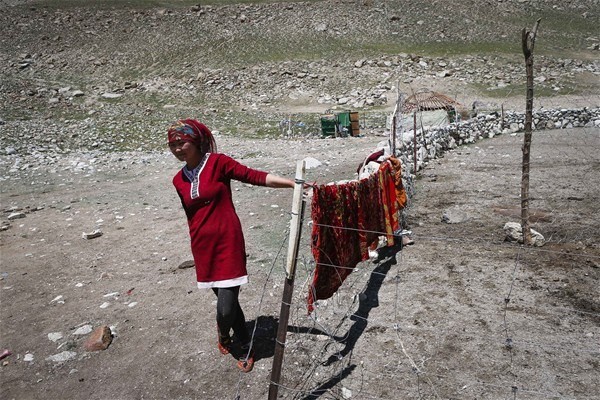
185 151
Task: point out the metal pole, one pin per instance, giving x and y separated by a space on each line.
288 287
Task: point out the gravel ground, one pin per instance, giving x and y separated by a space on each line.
86 94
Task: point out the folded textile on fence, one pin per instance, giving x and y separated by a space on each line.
347 220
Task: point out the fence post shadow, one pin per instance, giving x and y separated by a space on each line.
330 383
368 299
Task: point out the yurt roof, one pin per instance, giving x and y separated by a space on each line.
428 101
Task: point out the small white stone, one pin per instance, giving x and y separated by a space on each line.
111 95
346 393
310 163
84 330
55 336
62 357
92 235
16 215
28 357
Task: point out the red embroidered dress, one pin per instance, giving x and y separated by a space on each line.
216 233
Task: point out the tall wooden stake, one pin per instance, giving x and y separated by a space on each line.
415 143
528 42
288 287
393 146
398 115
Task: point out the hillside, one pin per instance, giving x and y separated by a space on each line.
245 67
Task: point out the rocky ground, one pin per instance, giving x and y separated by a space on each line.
86 94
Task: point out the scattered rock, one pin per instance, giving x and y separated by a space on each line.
100 339
514 233
84 330
454 216
186 264
55 336
5 353
62 357
321 27
346 393
311 163
112 95
92 235
16 215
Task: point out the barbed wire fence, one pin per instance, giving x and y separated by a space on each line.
497 320
323 359
509 321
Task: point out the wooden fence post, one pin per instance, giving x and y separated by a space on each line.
528 42
288 288
393 146
415 143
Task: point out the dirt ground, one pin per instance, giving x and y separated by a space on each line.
460 314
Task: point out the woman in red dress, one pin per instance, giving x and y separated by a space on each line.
217 240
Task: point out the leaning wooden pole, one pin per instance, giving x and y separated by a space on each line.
398 115
528 42
288 287
393 144
415 143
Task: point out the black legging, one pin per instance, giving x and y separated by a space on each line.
230 314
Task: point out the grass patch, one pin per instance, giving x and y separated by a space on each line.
439 49
559 31
539 90
252 50
558 22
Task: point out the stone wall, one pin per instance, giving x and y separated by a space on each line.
434 142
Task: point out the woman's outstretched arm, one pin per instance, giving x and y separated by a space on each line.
275 181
